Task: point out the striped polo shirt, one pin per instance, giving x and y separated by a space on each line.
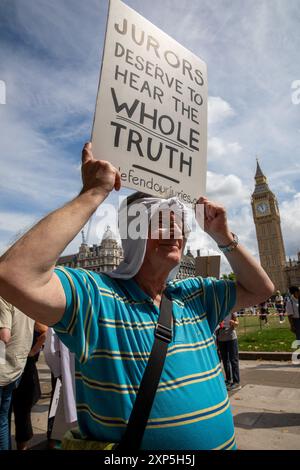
109 324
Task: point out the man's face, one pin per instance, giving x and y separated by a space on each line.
165 239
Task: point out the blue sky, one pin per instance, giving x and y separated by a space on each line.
50 53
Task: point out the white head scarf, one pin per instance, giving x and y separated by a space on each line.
134 247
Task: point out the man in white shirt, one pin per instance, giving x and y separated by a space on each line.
228 345
292 310
16 332
279 304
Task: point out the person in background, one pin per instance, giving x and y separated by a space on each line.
216 336
62 410
228 346
16 332
29 391
263 312
292 310
279 304
252 310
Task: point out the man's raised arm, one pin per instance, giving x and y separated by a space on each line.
253 284
27 278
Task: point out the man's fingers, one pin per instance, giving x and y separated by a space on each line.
118 181
211 210
87 153
202 200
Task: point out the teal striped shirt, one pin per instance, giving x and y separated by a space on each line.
109 325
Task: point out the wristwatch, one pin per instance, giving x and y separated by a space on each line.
231 246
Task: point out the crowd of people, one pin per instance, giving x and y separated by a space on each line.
20 389
278 305
102 326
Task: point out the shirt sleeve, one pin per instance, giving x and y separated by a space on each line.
5 314
78 328
289 308
218 298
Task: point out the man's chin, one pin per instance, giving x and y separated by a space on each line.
171 253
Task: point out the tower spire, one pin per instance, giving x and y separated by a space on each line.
261 181
83 237
259 173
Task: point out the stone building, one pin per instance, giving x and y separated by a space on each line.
292 272
187 266
100 258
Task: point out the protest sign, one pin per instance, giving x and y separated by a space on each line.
151 112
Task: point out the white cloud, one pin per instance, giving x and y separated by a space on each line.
15 221
229 190
218 147
290 221
218 110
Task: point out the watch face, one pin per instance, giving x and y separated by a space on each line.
262 208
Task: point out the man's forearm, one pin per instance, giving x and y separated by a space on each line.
32 259
253 284
38 344
249 273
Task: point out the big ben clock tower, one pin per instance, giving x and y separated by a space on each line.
268 231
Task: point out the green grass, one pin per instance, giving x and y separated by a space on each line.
255 337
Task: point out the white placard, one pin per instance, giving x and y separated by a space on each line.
55 399
151 112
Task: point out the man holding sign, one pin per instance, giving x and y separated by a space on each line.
108 321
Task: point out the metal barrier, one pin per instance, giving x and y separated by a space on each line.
257 318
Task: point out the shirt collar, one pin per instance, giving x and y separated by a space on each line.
173 288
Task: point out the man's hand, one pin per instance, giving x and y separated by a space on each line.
98 176
234 323
5 335
215 222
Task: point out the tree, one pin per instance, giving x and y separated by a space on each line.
229 277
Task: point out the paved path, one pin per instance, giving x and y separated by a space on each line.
266 410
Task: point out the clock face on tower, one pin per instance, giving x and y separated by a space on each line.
262 208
